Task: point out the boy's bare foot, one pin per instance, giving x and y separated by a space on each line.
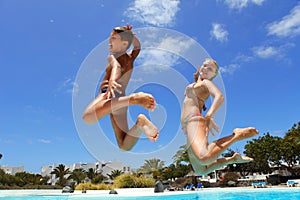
238 158
243 133
148 128
143 99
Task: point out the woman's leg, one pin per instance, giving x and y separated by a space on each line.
236 158
101 106
208 153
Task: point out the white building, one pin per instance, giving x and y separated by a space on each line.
101 167
12 170
108 167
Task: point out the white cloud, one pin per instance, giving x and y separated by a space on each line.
8 142
44 141
156 60
277 52
159 57
230 69
68 86
240 4
178 45
154 12
218 32
288 26
243 58
265 51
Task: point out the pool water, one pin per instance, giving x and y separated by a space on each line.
205 194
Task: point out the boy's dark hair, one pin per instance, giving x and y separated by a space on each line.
126 35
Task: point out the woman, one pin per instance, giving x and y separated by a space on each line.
204 156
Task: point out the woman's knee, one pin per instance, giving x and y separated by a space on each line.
206 159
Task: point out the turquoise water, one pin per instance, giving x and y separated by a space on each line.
228 194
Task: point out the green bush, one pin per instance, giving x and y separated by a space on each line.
229 176
132 181
90 186
122 181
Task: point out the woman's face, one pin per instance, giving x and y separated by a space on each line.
208 70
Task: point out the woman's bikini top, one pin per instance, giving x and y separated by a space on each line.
190 91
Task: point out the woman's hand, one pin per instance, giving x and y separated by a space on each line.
196 74
211 125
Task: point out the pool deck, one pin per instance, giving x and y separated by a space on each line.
128 192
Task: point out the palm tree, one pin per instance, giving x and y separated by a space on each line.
78 175
115 173
91 173
181 155
99 178
152 166
60 172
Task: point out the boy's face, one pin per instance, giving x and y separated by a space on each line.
116 45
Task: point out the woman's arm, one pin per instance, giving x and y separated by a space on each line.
218 98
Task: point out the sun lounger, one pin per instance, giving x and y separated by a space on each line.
199 185
292 183
261 184
189 187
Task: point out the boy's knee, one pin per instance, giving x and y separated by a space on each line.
88 119
124 148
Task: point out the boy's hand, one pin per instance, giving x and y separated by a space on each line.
104 84
128 27
112 87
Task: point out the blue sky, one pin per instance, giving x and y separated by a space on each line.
47 45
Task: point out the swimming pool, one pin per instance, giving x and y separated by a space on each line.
205 194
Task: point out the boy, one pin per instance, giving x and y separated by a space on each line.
112 99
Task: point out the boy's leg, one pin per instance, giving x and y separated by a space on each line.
126 139
101 106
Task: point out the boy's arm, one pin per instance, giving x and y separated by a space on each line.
104 83
114 76
136 47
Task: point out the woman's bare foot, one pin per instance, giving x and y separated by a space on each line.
143 99
238 158
243 133
147 127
